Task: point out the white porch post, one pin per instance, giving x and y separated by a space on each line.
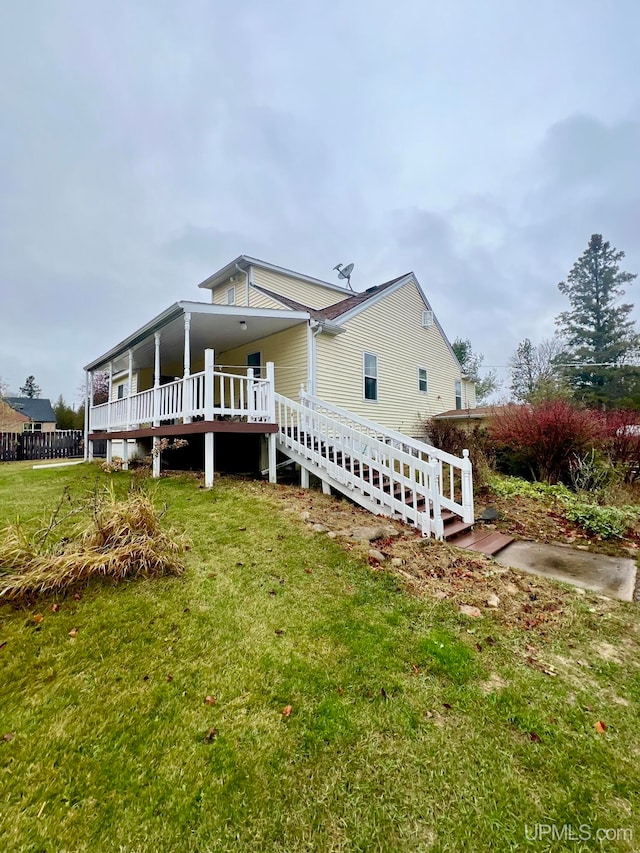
304 478
251 396
129 387
125 454
156 381
186 385
88 451
110 392
271 391
209 389
467 488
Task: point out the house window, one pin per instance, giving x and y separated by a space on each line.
370 365
423 384
231 295
32 427
254 359
120 391
458 394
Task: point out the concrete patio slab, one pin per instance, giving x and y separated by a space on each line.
612 576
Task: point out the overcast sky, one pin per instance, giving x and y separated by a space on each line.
144 144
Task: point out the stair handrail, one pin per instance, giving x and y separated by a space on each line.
406 440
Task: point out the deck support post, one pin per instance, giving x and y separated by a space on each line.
209 448
186 386
109 450
125 454
156 381
88 394
156 456
304 478
326 488
273 477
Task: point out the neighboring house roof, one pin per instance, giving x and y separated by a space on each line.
479 413
35 408
9 417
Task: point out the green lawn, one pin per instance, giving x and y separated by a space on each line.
411 726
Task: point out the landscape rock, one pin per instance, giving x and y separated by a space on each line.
319 528
305 516
369 534
332 534
493 600
469 610
377 555
396 561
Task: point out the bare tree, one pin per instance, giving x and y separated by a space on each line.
534 371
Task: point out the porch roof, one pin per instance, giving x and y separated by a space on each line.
212 326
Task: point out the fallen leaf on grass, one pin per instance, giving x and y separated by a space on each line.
8 737
211 734
279 632
210 700
37 618
3 644
535 738
286 711
309 571
55 608
600 727
73 633
169 678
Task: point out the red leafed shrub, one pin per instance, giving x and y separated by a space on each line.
621 440
543 438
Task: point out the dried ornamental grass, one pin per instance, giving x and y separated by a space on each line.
122 539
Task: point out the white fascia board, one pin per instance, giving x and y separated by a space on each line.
242 311
328 328
245 261
143 332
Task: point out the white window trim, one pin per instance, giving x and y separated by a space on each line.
366 376
458 384
426 380
231 291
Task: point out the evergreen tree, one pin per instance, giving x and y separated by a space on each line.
471 364
30 389
65 416
601 339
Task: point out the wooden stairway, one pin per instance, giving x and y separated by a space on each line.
456 531
487 542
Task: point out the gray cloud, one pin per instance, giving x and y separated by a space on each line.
144 145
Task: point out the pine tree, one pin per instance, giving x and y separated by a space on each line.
601 339
30 389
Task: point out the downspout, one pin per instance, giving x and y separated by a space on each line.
314 330
247 280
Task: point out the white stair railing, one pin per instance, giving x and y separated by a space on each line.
378 475
455 473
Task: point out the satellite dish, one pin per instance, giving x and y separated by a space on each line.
345 272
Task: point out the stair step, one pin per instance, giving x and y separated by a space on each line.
488 542
456 528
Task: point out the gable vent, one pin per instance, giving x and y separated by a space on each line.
427 319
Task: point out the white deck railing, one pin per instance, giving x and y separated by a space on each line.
208 394
401 474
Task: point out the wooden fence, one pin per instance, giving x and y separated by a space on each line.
61 444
